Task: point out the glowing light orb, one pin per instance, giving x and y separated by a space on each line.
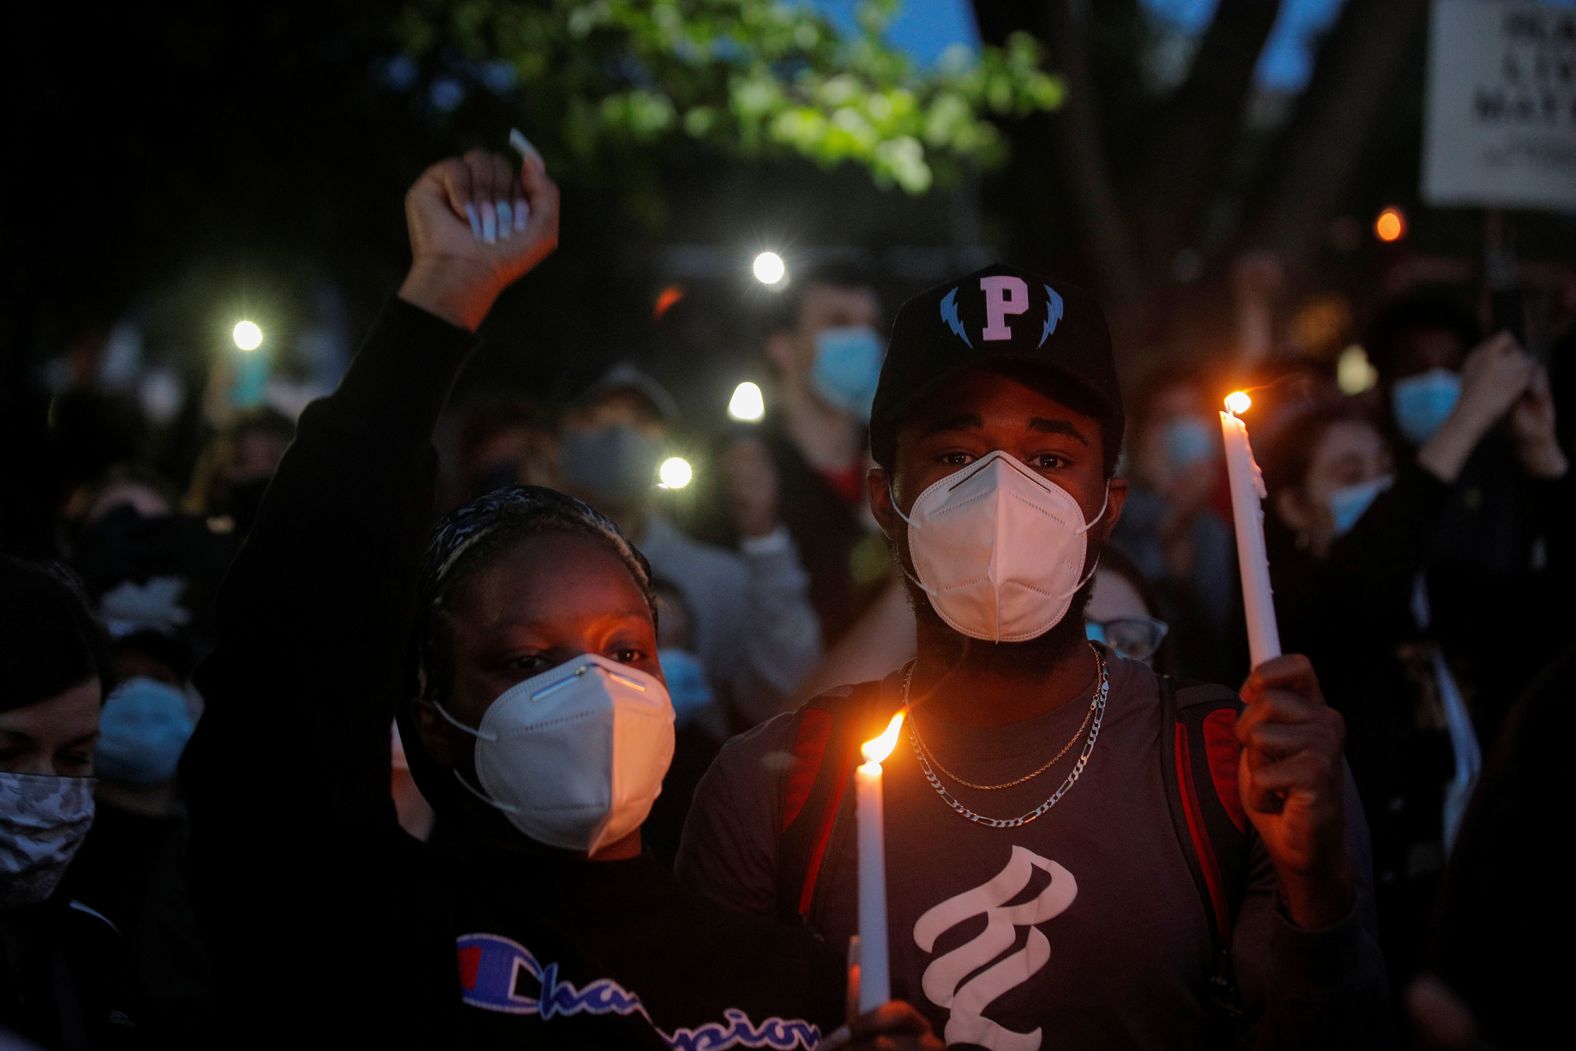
769 268
1354 373
1238 402
747 405
675 472
1390 225
247 335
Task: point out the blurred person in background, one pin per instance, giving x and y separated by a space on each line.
1124 612
802 469
1347 541
504 440
132 863
700 725
148 566
1491 980
235 466
91 431
1512 499
752 625
151 573
1170 529
65 975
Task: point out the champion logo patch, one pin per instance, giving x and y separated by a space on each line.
500 974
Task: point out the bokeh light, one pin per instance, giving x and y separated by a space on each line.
1354 373
747 404
675 472
1390 226
769 268
248 335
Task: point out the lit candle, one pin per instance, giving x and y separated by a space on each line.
875 976
1247 511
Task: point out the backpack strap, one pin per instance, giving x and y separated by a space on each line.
1206 810
827 733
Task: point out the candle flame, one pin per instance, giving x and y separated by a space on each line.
877 750
1238 402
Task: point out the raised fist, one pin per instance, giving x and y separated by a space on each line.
476 226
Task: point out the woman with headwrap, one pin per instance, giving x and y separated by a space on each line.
531 704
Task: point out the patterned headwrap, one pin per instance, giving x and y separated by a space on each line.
514 510
463 539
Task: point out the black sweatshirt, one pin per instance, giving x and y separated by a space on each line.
324 918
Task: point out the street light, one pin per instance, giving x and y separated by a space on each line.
747 405
769 268
247 335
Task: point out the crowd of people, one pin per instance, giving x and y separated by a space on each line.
435 725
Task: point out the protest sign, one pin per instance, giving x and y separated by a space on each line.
1500 128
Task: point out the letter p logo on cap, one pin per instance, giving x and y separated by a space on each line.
1004 295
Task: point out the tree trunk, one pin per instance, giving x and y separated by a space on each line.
1311 173
1196 129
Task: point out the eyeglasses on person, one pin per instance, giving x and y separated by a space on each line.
1136 638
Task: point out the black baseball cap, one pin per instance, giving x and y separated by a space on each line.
998 315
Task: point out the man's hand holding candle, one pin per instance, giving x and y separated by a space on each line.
1291 776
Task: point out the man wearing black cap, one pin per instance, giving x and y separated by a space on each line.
1056 816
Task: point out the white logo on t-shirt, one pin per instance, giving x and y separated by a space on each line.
947 980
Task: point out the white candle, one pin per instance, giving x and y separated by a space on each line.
1247 512
875 975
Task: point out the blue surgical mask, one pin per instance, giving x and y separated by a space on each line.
847 367
1423 402
1349 503
1189 440
142 732
615 465
687 684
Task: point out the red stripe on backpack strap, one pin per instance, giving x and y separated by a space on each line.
1201 845
1224 753
823 837
809 745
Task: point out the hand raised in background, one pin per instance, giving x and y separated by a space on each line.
1494 377
1532 425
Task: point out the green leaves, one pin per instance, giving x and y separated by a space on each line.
750 78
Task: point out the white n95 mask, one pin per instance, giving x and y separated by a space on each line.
575 756
999 549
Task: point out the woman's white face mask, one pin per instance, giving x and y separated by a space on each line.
574 757
999 549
